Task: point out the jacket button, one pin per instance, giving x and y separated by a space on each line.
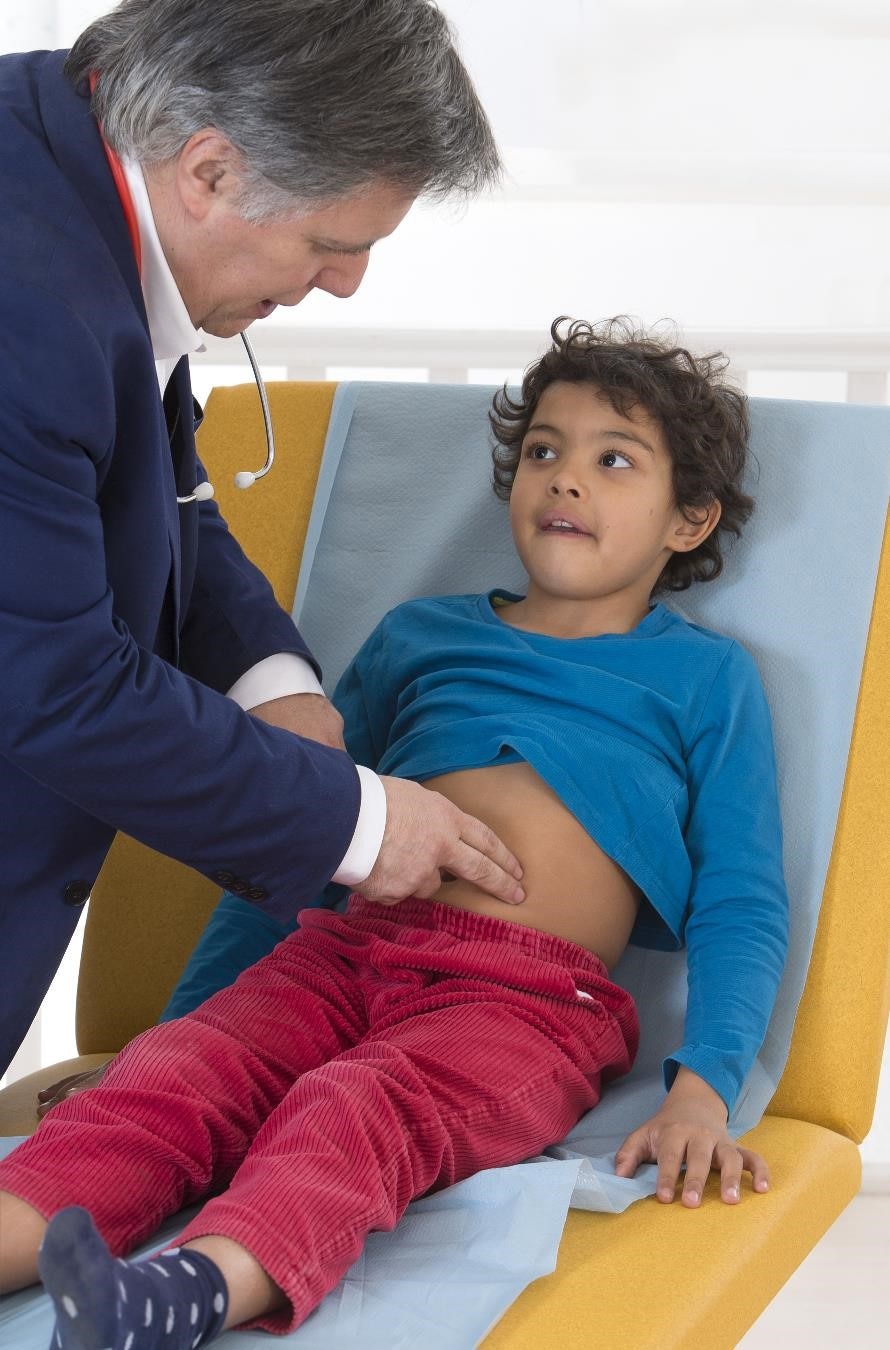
223 878
257 893
238 886
76 892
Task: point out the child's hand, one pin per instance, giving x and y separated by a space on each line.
690 1128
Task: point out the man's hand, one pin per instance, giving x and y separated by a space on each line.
50 1096
427 835
691 1127
309 715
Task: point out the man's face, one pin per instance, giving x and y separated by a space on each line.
231 272
592 505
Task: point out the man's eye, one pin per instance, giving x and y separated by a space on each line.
613 459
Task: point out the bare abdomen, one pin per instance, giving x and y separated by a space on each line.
572 888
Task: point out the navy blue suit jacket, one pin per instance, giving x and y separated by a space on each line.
123 617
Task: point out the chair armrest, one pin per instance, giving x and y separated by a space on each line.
661 1277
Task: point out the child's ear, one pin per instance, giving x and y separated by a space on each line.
695 524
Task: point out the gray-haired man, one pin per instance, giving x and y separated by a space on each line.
189 165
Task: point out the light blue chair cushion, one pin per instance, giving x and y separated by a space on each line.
404 508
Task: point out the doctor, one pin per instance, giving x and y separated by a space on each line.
230 158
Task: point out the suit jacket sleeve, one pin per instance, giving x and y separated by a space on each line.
91 712
233 620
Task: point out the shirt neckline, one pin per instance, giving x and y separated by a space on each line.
650 625
172 333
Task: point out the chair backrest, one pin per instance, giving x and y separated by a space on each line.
831 1077
152 909
146 911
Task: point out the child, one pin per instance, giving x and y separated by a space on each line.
623 754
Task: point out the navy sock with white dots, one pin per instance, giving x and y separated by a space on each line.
176 1300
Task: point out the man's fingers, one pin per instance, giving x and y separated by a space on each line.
465 861
426 835
484 840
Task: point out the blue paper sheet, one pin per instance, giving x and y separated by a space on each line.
442 1279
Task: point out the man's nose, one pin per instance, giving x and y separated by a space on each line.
343 278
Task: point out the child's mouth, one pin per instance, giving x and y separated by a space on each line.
563 526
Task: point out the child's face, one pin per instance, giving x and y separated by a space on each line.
592 506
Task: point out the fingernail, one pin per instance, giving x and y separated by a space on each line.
732 1193
762 1185
692 1197
665 1193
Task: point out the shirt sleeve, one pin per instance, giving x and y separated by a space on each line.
275 677
736 930
360 857
367 695
287 674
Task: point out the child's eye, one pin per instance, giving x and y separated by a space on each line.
613 459
540 451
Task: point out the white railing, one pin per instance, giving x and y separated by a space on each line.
454 356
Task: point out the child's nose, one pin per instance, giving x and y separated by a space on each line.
564 485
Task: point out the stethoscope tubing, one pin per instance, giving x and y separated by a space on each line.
244 479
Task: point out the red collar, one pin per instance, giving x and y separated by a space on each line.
123 188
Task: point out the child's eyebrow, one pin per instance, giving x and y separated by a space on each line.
612 435
626 436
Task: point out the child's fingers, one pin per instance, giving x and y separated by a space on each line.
671 1153
753 1163
699 1157
634 1151
729 1159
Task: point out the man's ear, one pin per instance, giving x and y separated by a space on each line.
206 172
695 524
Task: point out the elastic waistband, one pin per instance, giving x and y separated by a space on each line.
463 923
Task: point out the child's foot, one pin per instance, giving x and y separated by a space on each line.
176 1300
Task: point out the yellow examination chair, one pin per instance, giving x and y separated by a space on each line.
653 1276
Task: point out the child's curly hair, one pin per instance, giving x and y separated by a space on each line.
704 419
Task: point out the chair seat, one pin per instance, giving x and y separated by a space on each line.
658 1277
18 1102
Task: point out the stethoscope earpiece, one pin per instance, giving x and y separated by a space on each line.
244 479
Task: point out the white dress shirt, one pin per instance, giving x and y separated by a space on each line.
173 335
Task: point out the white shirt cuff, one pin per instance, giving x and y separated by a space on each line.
362 853
275 677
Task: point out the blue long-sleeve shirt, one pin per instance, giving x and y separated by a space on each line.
657 740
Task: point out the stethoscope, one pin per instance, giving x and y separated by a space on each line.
244 479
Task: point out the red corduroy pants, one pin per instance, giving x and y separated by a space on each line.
372 1057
